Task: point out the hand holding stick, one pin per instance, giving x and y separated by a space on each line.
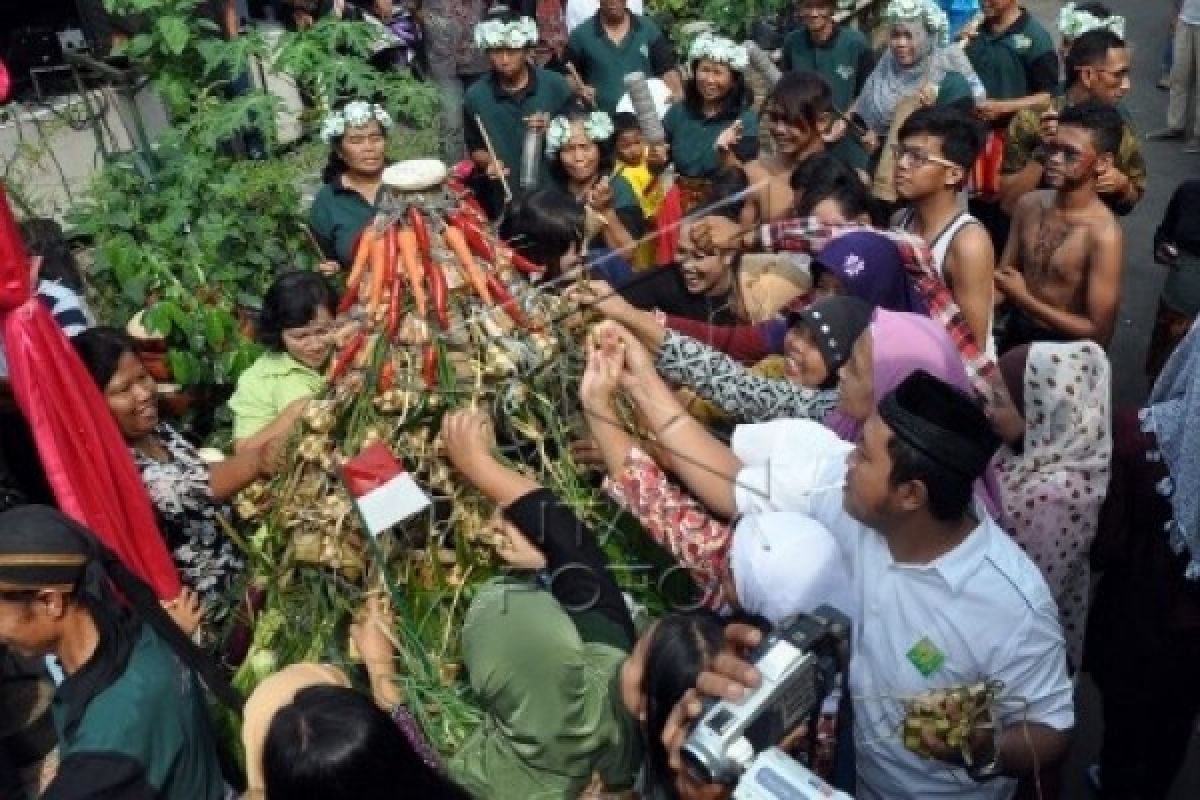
487 142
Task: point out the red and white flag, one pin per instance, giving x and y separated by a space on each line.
383 491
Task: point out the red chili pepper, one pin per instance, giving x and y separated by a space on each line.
481 247
346 357
469 204
429 367
439 292
393 314
416 221
387 376
502 296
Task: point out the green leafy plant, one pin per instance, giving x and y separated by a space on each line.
195 241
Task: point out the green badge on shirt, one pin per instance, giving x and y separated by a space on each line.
925 656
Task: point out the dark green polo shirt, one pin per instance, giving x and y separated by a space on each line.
604 64
693 138
337 217
148 728
504 114
1016 62
844 61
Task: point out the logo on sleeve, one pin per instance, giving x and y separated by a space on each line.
845 71
1021 41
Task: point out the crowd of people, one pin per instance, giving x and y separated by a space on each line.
861 313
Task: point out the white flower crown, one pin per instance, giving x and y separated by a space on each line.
719 49
1073 23
598 126
354 115
494 34
927 11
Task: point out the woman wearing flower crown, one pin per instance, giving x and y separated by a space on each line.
357 138
918 64
580 149
714 126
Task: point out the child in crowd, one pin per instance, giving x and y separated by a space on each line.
642 166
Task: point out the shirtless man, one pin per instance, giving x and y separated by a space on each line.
795 113
1061 268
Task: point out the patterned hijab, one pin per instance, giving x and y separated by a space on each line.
1054 487
1171 415
890 82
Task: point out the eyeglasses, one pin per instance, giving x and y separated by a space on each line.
917 157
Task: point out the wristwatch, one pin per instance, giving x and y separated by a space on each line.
987 766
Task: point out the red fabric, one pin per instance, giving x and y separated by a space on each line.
5 84
745 343
85 457
670 217
984 180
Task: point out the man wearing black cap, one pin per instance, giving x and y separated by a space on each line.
947 599
131 718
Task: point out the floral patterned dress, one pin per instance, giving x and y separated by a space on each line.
181 493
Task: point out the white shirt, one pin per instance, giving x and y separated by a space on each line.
983 607
582 10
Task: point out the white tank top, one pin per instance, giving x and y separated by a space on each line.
939 247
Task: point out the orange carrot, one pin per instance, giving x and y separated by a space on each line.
406 242
474 275
378 272
362 252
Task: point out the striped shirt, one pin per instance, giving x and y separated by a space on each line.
66 306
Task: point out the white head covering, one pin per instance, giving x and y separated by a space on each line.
786 562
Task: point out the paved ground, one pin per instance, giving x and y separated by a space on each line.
1146 26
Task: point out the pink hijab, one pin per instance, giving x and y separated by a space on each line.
901 344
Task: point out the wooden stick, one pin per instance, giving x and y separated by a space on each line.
578 79
487 142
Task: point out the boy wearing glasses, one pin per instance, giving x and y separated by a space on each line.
1061 269
1097 66
936 149
838 54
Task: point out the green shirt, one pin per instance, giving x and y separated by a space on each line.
149 728
693 138
1016 62
844 61
1024 137
337 217
271 384
954 89
503 113
604 64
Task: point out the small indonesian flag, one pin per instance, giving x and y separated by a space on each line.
384 492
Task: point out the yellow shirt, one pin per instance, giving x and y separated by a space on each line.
649 191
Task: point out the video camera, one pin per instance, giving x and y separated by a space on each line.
799 662
774 775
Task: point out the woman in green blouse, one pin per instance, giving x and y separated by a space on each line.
714 126
296 330
357 139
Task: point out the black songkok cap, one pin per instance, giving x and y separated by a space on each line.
941 422
42 549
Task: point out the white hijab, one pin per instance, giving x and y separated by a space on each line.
786 562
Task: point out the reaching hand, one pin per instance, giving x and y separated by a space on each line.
717 235
271 454
468 439
600 296
514 547
600 197
602 375
370 633
729 137
186 610
637 361
329 268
